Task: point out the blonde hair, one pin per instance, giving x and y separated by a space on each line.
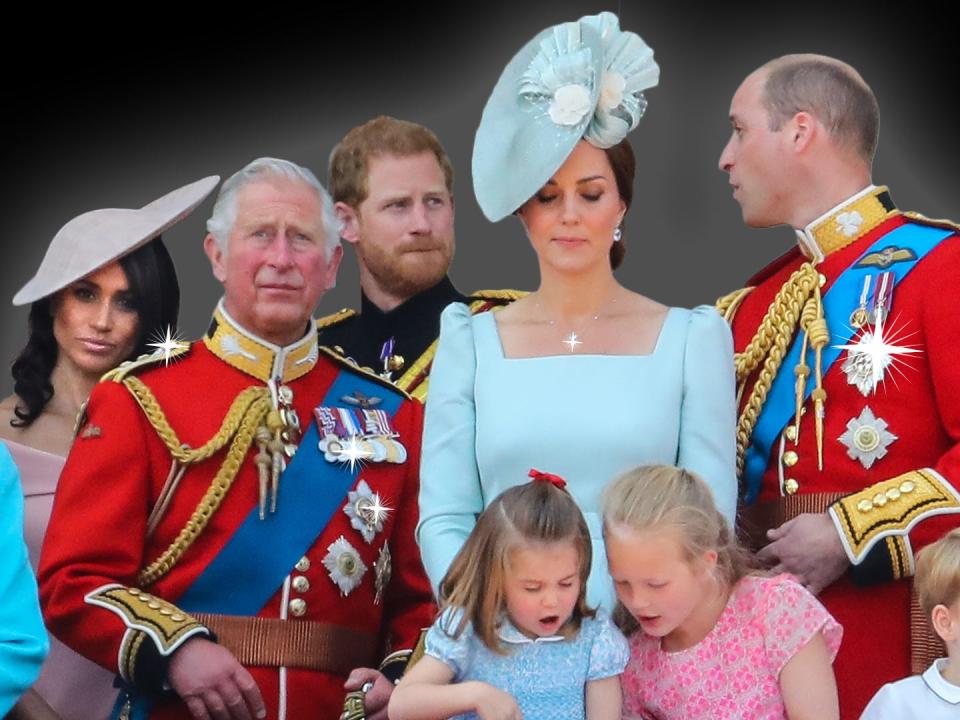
535 512
662 496
937 578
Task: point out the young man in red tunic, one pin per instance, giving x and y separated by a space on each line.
850 408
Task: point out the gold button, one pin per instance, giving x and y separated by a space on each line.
893 493
298 607
301 584
133 591
864 506
907 486
166 611
178 617
790 458
791 433
303 564
791 486
879 499
822 278
153 605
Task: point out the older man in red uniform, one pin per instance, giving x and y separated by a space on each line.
850 409
233 530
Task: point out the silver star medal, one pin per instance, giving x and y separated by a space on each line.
366 511
867 438
382 570
344 565
870 357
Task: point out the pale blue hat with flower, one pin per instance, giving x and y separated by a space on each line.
582 79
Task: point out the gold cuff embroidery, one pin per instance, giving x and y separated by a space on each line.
891 508
146 616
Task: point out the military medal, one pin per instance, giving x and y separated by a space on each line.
867 438
356 435
875 350
382 570
366 511
344 565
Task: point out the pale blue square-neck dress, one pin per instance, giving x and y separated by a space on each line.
587 418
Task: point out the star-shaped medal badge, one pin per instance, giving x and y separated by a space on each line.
874 352
170 344
867 438
344 565
366 511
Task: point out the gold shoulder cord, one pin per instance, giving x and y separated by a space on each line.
796 304
248 411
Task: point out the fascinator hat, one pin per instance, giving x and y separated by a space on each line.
578 80
95 239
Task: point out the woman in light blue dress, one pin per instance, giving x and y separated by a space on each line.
582 377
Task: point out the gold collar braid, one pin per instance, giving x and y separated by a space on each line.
257 357
846 223
796 305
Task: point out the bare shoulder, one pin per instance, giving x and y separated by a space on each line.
640 308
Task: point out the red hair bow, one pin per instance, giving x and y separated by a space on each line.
554 480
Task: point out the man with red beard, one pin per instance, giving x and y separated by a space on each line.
848 438
393 186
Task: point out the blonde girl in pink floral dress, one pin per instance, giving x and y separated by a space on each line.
709 638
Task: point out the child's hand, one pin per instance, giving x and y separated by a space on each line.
494 704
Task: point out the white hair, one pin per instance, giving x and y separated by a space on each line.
225 208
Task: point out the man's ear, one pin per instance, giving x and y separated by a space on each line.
217 257
349 219
330 278
803 129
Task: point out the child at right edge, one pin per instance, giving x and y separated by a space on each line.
935 695
709 636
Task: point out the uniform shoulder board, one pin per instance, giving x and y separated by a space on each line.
498 295
365 372
334 318
924 220
147 360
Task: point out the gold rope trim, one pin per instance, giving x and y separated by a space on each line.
730 303
247 412
768 346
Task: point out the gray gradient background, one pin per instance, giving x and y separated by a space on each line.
112 116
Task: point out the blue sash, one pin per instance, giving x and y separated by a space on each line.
838 304
251 567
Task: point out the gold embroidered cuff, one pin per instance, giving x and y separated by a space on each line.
395 664
891 508
146 616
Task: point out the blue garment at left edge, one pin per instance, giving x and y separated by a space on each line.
23 639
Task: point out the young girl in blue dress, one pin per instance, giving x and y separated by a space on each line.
515 634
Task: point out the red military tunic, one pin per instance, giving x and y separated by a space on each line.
897 505
101 531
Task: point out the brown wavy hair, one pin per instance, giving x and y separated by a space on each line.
535 512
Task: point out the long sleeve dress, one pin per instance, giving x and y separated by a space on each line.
588 418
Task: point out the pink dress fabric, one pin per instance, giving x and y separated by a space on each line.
733 673
76 688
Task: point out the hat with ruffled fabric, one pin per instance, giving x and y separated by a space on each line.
578 80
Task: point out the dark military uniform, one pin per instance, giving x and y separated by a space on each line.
413 326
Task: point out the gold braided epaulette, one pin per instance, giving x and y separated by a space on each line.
504 295
730 303
940 223
366 372
334 318
144 361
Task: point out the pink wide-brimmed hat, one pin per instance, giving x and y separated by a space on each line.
97 238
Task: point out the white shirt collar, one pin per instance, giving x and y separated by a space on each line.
942 688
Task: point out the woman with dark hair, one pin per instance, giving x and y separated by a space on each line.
582 377
106 288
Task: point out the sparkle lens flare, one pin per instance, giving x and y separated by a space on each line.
354 452
876 351
170 343
572 341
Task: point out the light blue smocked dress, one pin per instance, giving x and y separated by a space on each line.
587 418
546 676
